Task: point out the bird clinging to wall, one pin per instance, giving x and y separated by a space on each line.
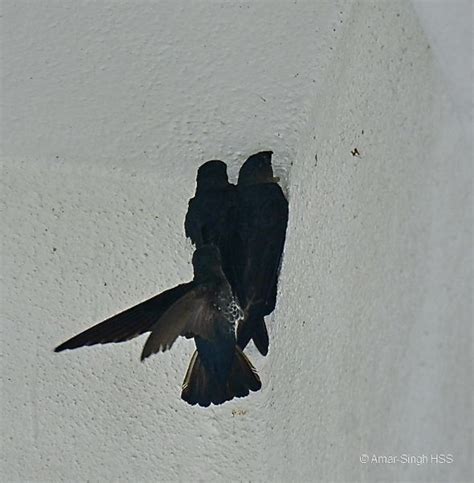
219 370
207 311
261 227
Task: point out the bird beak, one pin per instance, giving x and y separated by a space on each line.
276 179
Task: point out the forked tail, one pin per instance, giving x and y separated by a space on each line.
203 388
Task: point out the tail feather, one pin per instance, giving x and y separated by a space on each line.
194 383
253 328
244 371
199 387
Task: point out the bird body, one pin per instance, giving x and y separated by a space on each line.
261 226
218 370
204 309
263 214
211 215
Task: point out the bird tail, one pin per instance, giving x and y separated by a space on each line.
253 327
201 387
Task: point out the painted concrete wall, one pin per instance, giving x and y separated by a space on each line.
108 109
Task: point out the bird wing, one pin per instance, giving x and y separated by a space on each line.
192 315
277 224
263 232
129 323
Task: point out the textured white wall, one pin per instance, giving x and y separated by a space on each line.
108 109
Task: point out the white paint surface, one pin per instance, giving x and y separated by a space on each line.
109 108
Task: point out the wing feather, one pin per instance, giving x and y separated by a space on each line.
129 323
192 315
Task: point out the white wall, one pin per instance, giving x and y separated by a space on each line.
109 108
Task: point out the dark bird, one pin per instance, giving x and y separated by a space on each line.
261 227
219 370
205 309
211 216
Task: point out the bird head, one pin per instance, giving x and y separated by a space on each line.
212 175
257 169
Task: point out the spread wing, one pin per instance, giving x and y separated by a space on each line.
192 315
129 323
